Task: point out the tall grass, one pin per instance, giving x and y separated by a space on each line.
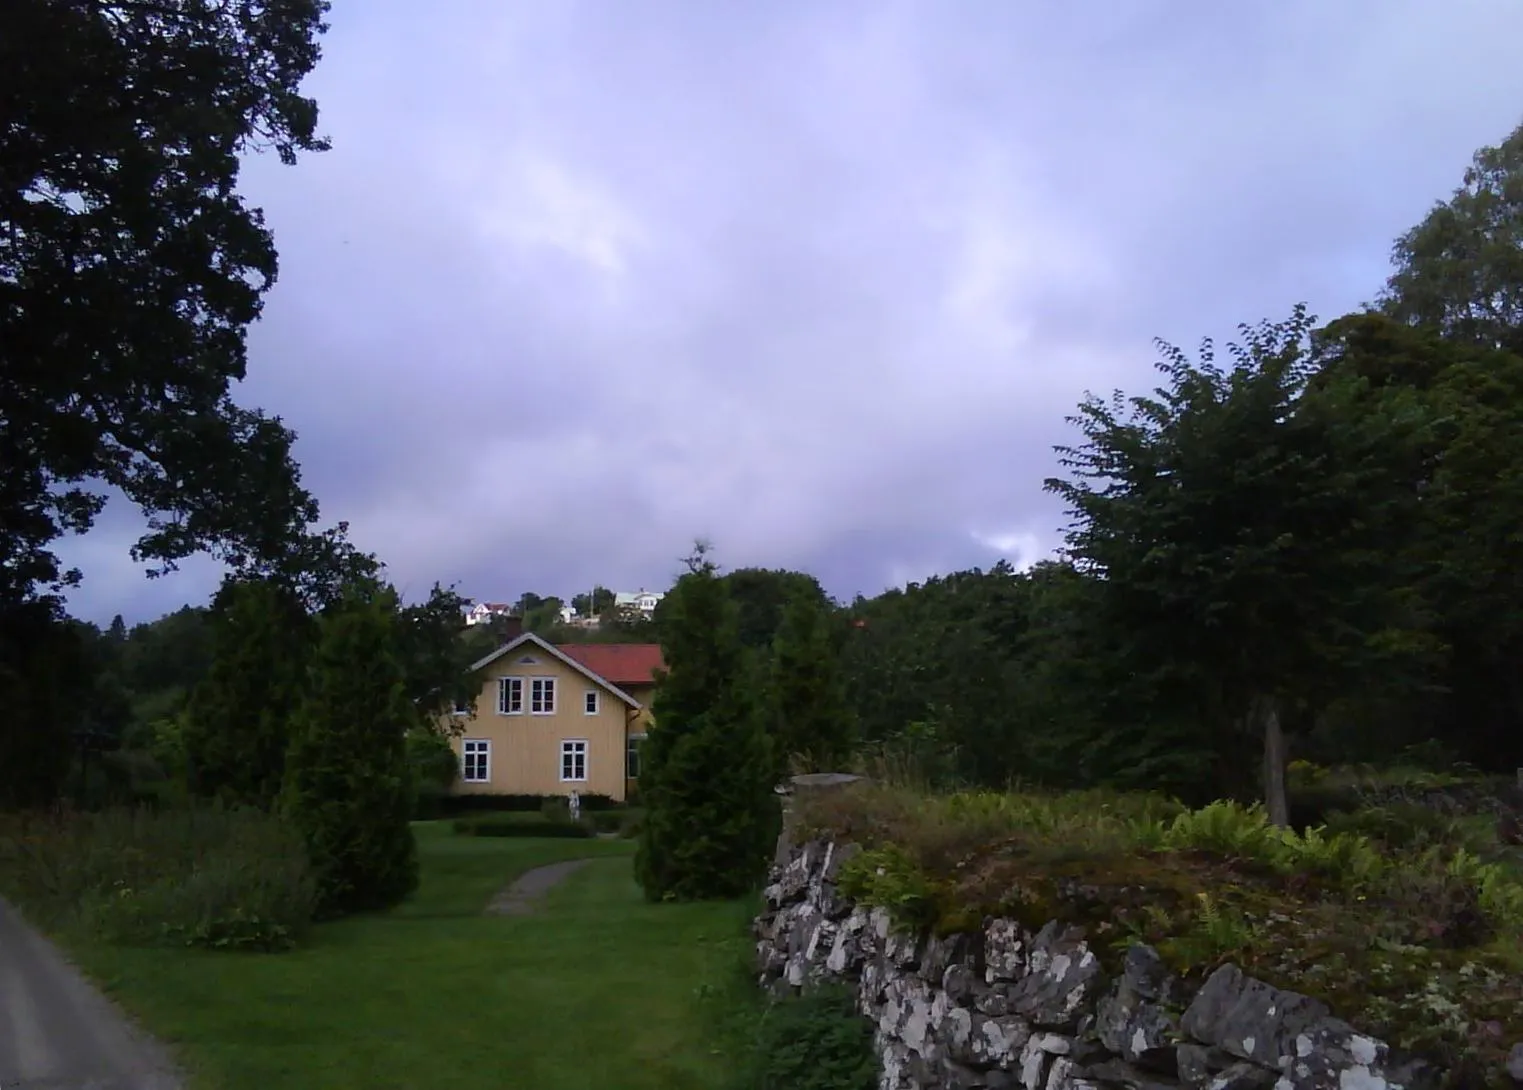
211 876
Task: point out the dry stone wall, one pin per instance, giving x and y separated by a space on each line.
1006 1007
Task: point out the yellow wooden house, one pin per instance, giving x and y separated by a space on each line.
550 719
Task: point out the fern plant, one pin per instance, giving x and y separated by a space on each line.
1351 860
1216 931
1228 829
1498 894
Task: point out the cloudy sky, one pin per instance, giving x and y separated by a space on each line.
817 279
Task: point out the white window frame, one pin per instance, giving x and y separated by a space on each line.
504 699
592 702
572 748
460 708
538 687
480 748
633 743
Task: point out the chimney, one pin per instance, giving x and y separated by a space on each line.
512 627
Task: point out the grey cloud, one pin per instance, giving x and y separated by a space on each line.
581 281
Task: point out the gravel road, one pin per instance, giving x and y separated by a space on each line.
57 1032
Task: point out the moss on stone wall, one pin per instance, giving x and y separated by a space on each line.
1421 944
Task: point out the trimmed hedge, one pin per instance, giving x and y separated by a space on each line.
511 827
451 806
626 823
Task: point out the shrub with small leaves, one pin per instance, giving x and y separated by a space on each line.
888 877
815 1041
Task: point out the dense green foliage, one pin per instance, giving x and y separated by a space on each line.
1312 546
348 783
130 270
237 723
40 663
434 769
214 877
810 721
762 596
124 124
706 781
1460 271
813 1041
1244 535
1463 556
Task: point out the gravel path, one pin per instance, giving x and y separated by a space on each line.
57 1032
518 899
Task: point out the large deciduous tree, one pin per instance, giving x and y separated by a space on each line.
706 780
1460 270
1243 532
130 269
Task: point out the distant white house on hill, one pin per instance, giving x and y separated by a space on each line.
642 601
482 612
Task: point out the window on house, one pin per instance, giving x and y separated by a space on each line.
510 696
461 707
476 760
573 761
590 702
632 757
542 696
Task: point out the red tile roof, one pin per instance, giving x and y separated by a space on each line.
621 663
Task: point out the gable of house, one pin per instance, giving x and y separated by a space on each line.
529 645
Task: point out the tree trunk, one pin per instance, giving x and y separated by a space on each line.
1267 712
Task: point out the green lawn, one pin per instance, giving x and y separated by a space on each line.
596 989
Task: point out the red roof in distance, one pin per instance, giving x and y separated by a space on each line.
620 663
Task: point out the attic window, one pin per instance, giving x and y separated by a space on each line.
528 660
